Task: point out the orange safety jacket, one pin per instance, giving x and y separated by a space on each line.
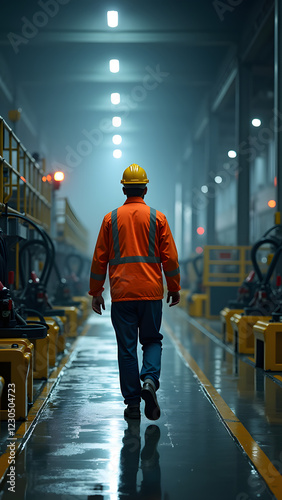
136 241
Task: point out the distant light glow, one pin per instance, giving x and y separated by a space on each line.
115 98
200 230
114 65
117 139
218 179
44 178
117 153
112 18
256 122
49 178
232 153
204 189
271 203
59 176
199 250
275 181
116 121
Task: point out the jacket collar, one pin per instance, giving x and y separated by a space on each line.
135 199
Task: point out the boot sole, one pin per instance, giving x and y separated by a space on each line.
152 409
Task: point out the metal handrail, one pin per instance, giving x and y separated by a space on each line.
21 181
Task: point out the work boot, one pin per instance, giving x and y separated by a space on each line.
148 393
132 412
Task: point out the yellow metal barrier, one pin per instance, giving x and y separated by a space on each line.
225 268
69 229
21 184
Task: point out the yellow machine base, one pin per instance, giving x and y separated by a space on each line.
226 326
243 339
196 308
268 345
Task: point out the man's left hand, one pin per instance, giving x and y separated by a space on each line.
97 302
175 298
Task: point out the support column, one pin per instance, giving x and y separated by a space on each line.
278 99
197 200
211 148
242 114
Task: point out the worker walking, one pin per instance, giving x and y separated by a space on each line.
136 241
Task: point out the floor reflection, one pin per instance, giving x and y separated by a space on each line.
150 488
130 463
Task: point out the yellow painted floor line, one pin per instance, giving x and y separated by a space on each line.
28 425
278 377
261 462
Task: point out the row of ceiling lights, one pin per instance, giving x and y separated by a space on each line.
112 21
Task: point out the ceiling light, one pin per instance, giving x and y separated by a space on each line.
218 179
115 98
114 65
256 122
117 139
117 153
116 121
112 18
204 189
232 154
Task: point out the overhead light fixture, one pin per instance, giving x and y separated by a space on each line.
232 154
116 121
112 18
218 179
115 98
256 122
114 65
117 139
117 153
204 189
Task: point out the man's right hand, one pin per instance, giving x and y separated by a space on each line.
175 298
97 302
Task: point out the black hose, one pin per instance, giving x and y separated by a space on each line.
23 248
271 229
254 250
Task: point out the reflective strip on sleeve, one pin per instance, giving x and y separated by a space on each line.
115 234
152 232
170 274
98 277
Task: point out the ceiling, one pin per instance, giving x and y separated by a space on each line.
169 53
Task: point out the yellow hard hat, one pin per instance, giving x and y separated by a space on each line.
134 175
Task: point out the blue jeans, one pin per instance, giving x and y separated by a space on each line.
129 318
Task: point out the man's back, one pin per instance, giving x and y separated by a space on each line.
138 240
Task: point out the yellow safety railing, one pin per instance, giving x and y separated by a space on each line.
69 228
21 184
226 265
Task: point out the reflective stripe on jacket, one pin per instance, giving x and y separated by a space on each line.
136 241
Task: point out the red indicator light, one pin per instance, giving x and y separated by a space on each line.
200 230
199 250
272 203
